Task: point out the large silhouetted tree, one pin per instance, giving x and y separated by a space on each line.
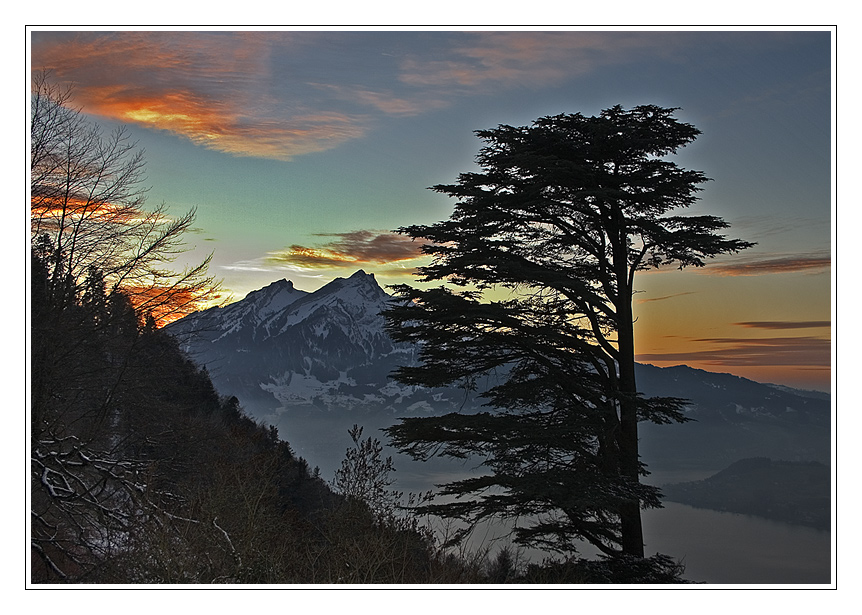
562 215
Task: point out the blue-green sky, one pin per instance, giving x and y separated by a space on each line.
303 150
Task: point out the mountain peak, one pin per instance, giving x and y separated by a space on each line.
270 299
359 282
282 284
360 275
363 283
273 288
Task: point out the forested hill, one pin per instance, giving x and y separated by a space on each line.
142 473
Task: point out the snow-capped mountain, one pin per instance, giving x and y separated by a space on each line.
282 350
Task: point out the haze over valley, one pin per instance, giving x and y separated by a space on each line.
314 364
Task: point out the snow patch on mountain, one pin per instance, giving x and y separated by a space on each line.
280 347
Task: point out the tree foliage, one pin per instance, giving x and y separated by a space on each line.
540 257
365 476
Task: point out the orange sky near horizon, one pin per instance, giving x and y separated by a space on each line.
302 151
755 326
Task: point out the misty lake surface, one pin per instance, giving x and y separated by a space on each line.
716 547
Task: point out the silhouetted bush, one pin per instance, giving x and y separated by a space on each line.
621 569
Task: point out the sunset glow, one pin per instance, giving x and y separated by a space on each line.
303 151
167 304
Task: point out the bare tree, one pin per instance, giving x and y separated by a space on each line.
88 199
101 269
366 477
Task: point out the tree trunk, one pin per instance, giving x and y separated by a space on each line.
630 514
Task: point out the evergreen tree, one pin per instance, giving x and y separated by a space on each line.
562 215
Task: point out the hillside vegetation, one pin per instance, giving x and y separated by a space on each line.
142 473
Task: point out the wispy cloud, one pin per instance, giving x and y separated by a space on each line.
215 89
355 248
485 59
758 228
280 95
665 297
786 324
759 352
384 100
809 263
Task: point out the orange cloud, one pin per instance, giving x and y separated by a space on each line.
218 126
784 351
310 258
169 303
786 324
47 208
350 249
211 88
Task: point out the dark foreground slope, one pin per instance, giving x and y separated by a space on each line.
142 473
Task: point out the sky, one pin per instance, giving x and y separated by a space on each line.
302 151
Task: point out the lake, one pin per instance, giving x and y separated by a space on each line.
719 547
716 547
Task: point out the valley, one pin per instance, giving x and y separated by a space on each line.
315 364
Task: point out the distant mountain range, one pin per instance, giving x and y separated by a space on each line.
281 350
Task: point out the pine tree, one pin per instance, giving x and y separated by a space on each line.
562 216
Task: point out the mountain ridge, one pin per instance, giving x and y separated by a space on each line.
282 350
